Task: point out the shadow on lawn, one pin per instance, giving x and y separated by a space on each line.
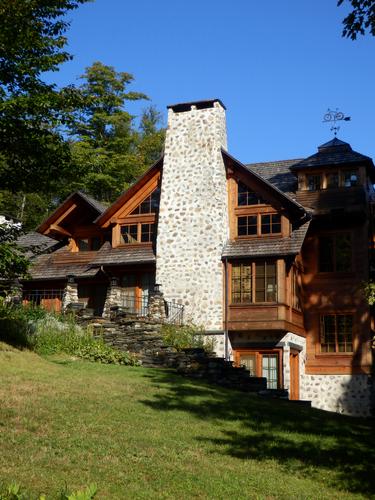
300 439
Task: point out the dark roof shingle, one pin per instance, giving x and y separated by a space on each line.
263 247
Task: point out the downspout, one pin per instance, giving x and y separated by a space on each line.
226 336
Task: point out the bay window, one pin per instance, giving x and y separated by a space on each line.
254 282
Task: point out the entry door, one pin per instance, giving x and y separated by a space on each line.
294 375
147 286
261 364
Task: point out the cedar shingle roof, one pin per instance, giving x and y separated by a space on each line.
266 247
333 153
133 254
36 243
278 174
47 267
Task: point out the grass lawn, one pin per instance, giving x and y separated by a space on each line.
142 433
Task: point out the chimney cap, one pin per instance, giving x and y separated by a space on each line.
186 106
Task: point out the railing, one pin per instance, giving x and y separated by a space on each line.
50 299
174 313
134 305
139 306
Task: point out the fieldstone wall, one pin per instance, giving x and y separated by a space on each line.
113 298
70 295
193 214
347 394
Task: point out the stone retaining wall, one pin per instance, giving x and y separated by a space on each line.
144 339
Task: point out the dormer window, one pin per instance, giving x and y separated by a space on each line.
247 197
314 182
86 244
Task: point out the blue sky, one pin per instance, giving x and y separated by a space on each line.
276 65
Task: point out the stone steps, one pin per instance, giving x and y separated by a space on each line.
143 338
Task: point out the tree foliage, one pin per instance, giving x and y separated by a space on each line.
13 262
360 19
38 165
109 151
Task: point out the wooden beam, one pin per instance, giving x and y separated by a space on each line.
58 229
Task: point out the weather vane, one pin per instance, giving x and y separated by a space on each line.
334 116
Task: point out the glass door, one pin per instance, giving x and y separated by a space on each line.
270 370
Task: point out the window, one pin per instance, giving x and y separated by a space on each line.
129 233
313 182
254 282
271 224
336 333
350 178
137 233
260 224
86 244
261 363
150 205
332 180
335 253
247 226
247 197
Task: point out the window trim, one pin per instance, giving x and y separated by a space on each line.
336 352
139 224
259 233
258 360
253 291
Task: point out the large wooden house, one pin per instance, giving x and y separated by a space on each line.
269 257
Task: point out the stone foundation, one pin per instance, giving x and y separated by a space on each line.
347 394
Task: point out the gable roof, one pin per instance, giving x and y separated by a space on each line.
88 200
287 201
126 195
334 152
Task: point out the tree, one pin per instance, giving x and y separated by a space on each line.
360 19
13 262
33 152
109 151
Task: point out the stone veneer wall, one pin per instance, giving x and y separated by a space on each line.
348 394
193 214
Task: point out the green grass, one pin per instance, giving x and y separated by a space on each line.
141 433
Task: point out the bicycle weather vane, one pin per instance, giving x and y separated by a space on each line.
334 116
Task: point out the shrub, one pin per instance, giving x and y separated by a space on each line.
51 336
186 336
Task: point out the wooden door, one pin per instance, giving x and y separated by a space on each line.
294 375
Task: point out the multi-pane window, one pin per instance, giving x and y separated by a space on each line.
313 182
260 224
147 232
336 333
269 370
150 205
254 282
335 253
137 233
247 197
270 223
129 233
241 283
247 225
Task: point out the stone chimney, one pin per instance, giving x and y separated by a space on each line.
193 215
